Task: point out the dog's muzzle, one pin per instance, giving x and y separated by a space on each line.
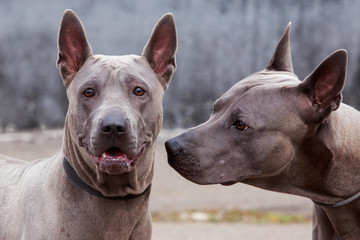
182 161
173 148
113 147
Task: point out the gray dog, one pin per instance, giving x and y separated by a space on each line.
98 186
272 131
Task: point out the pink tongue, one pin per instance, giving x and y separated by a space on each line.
115 153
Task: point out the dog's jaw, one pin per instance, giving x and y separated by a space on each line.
114 161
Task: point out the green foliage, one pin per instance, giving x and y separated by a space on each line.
229 216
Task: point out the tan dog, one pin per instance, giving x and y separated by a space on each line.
275 132
98 186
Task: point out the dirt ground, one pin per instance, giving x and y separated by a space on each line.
171 192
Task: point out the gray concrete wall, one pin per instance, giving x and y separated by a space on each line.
220 42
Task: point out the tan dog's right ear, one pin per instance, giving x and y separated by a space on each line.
325 84
161 48
73 46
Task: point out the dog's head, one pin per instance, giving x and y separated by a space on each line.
115 102
259 124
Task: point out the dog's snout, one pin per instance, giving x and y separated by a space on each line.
113 125
173 148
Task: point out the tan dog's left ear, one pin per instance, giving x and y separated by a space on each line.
161 48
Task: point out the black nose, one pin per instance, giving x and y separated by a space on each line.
173 148
113 125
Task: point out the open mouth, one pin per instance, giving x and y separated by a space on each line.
114 161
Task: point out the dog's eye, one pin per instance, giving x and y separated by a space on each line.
138 91
89 92
240 125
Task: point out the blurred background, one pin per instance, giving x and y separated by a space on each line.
220 42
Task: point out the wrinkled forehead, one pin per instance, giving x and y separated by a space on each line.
265 81
110 68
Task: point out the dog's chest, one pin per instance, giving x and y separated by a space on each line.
98 218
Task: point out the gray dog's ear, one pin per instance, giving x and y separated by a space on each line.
325 84
73 46
161 48
281 61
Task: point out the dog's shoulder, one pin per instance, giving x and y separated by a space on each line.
7 160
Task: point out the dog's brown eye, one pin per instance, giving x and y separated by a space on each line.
89 92
138 91
240 125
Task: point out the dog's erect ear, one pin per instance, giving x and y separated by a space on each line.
325 84
281 61
161 48
73 46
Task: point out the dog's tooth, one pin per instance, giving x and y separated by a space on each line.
104 155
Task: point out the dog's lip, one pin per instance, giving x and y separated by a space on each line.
115 161
228 183
115 154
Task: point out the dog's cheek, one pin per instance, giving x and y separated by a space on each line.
78 112
273 155
74 121
152 119
80 123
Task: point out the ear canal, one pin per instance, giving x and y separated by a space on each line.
281 61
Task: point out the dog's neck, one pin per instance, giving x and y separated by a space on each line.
335 162
328 171
323 171
341 176
71 174
133 183
345 219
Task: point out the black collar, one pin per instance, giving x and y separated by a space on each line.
341 203
70 172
